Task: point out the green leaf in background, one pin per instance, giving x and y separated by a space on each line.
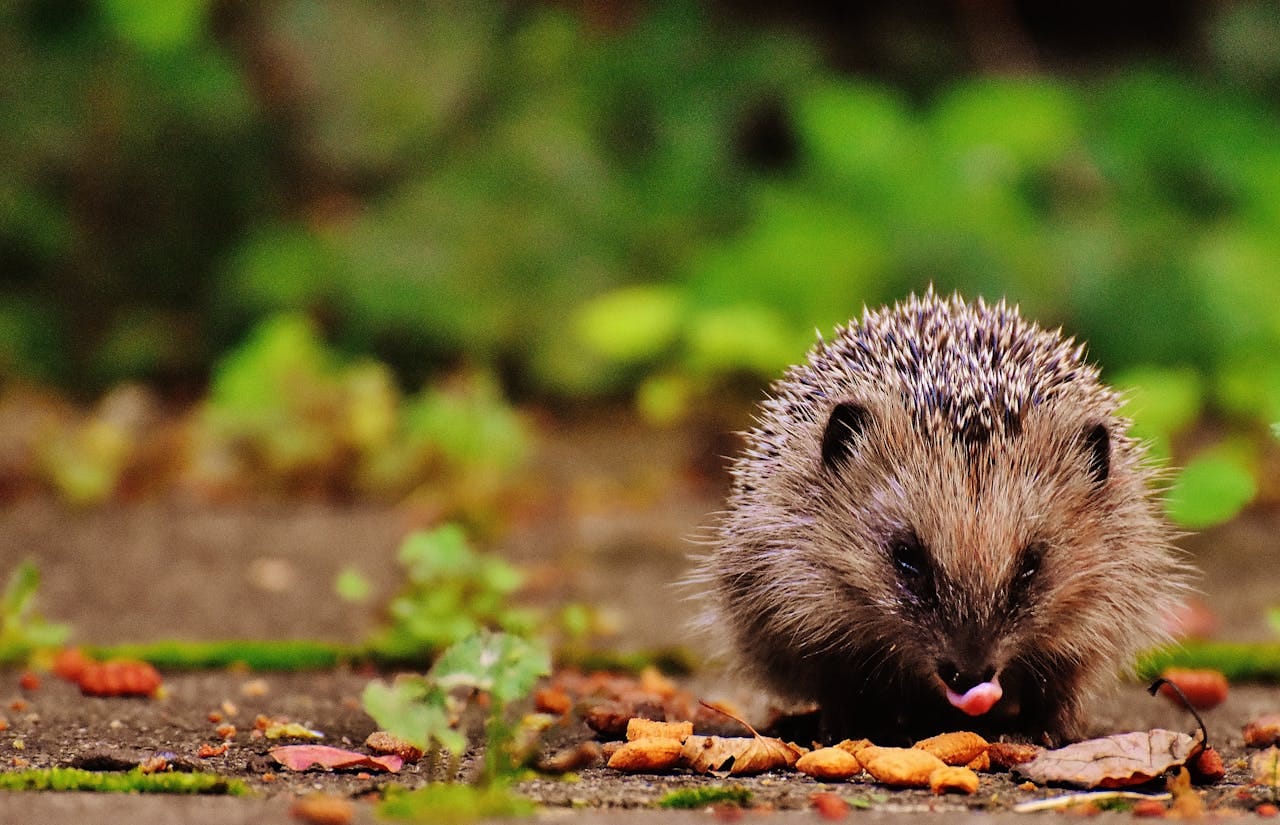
352 586
20 626
157 26
502 665
632 324
1211 489
1161 401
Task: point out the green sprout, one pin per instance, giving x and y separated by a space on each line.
22 630
425 710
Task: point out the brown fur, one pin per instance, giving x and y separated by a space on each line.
972 442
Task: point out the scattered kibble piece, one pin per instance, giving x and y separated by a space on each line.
1263 731
651 754
950 779
899 767
829 764
956 748
638 728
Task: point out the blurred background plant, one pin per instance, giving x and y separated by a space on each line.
274 217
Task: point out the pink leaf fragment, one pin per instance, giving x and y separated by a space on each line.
302 757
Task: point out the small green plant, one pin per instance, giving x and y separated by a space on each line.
134 781
425 710
452 592
697 798
22 630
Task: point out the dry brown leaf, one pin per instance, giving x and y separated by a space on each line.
1265 767
948 779
1006 755
739 755
638 728
380 741
829 764
956 748
899 767
1263 731
1118 761
648 755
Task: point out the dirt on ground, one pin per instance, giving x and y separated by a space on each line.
615 529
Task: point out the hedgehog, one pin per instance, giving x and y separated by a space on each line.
940 521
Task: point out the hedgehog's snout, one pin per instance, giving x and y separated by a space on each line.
973 690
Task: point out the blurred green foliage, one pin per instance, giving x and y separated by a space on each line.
648 205
451 592
23 631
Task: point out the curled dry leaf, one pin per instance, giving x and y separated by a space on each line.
1203 688
956 748
739 755
829 764
1118 761
648 755
303 757
1006 755
638 728
949 779
899 767
1263 731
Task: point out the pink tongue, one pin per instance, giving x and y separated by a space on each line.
978 699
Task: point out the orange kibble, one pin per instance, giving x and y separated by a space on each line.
956 748
899 767
29 680
1266 809
638 728
226 731
949 779
206 750
323 809
649 755
829 764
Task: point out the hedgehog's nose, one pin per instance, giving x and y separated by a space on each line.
961 681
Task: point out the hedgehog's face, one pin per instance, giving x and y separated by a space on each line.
985 559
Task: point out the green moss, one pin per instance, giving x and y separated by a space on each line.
1238 661
447 802
288 655
702 797
135 781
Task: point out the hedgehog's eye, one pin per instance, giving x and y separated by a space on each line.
910 559
1029 561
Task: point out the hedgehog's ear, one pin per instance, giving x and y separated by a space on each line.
1097 447
844 427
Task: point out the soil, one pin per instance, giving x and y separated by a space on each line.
618 507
